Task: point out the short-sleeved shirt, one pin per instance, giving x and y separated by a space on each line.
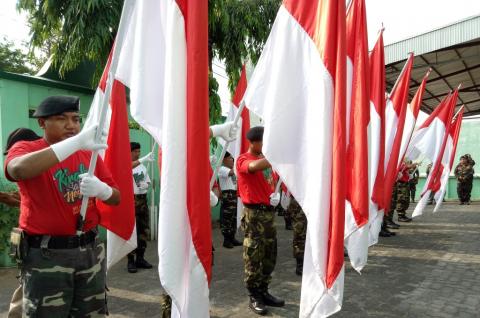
140 175
404 173
227 182
253 188
50 203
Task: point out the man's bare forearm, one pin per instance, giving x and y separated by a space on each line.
32 164
258 165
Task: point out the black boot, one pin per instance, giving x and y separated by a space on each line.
288 225
141 262
227 243
299 267
131 267
256 303
234 241
392 225
404 218
271 300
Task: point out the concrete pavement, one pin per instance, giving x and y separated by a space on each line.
430 269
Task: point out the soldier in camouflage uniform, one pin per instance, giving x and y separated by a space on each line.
299 233
464 173
62 272
141 183
256 187
401 196
228 208
413 181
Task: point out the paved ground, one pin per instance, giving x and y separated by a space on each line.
430 269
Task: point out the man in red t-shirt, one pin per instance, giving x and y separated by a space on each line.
256 187
62 271
401 195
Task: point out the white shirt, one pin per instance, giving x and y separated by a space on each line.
227 182
141 180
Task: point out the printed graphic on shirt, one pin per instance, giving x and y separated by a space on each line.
68 183
268 175
139 177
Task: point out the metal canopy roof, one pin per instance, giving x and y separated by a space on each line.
453 54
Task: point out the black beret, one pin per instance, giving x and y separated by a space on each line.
134 146
255 134
20 134
55 105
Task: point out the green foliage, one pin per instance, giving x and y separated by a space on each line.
214 101
77 30
8 217
74 30
13 59
238 30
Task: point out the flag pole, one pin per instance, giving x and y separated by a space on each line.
401 73
126 12
224 150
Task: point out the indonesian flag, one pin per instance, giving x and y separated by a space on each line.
427 139
356 205
411 118
395 113
240 145
299 89
447 158
434 133
164 62
376 139
118 220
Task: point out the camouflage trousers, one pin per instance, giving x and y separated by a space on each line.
142 220
228 213
64 282
166 306
259 247
400 199
287 214
413 189
299 222
464 190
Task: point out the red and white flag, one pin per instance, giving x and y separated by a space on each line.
240 145
447 158
411 118
119 220
358 113
376 139
434 138
164 62
395 112
298 88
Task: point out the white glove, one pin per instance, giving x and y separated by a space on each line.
213 199
93 187
274 199
143 185
227 131
150 157
285 201
85 140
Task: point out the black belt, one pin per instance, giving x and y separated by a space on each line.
262 207
63 242
229 191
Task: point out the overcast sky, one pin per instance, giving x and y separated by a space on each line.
401 19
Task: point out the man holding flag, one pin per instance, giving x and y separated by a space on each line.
62 271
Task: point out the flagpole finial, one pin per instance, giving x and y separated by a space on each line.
459 86
428 72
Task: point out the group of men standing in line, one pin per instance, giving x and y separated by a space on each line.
50 173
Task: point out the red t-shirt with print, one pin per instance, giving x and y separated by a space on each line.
254 188
50 203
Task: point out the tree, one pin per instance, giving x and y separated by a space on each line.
13 59
86 29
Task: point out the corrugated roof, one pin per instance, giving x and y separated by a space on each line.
462 31
453 53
